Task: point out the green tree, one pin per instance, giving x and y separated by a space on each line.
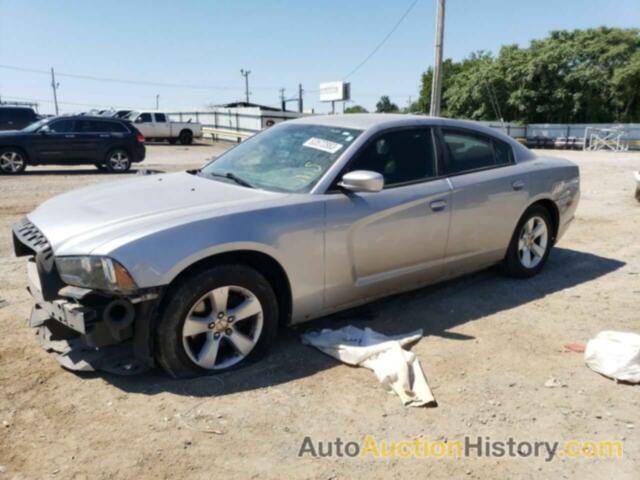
385 105
356 109
588 75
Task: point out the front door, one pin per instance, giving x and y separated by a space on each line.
395 239
55 142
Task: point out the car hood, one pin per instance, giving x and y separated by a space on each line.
79 221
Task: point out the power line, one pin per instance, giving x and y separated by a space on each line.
129 81
384 40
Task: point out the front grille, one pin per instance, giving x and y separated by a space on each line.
31 241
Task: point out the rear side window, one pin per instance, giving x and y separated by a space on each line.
400 156
61 126
161 117
90 126
467 152
115 127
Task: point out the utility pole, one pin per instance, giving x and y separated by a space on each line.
245 74
436 86
55 86
158 101
283 101
300 98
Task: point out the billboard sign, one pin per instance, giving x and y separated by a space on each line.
335 91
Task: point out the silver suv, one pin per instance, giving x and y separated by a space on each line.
196 270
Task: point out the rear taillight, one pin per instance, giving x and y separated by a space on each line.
140 137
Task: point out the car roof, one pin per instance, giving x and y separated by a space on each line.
16 107
373 122
87 117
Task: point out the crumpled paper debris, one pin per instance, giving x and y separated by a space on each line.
397 369
615 355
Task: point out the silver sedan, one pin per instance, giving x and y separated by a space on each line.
194 271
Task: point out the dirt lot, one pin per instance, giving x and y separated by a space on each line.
490 346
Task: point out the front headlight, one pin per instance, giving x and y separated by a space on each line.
99 273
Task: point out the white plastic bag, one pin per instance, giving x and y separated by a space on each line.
615 355
397 369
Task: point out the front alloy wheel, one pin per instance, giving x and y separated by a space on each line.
223 327
12 161
214 320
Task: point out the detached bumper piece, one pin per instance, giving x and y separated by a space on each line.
97 335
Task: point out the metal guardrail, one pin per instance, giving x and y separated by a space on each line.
237 126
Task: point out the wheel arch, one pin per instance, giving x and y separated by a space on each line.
265 264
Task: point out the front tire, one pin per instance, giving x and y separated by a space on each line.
118 160
215 321
531 243
12 161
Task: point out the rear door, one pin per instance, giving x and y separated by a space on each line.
393 239
489 194
91 137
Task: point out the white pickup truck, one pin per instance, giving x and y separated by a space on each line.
157 126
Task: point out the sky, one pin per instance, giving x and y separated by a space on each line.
200 46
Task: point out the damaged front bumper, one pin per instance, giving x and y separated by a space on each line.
85 329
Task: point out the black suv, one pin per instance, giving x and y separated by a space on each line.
109 143
16 118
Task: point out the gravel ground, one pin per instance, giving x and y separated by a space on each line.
490 346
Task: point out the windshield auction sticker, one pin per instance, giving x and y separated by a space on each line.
323 145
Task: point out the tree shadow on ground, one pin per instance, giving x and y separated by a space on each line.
435 309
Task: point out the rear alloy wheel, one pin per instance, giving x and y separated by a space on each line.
186 137
12 161
118 161
215 321
531 243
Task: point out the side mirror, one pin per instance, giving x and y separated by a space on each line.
138 120
362 181
44 130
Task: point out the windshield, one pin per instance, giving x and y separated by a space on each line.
286 158
35 126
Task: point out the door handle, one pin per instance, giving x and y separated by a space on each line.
517 185
104 136
69 136
438 205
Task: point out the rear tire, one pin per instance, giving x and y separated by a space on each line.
13 161
186 137
531 244
118 160
215 321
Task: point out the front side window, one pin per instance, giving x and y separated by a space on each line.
144 118
287 157
401 156
467 152
61 126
